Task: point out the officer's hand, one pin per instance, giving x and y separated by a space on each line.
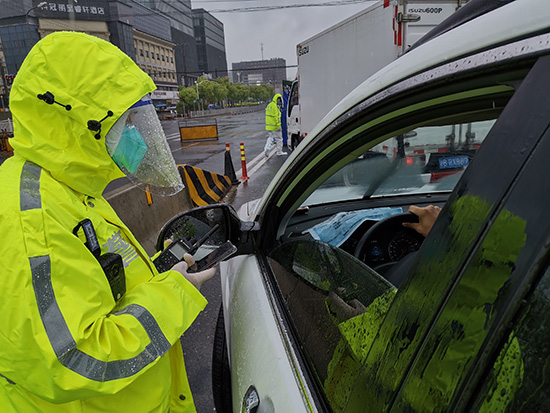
426 218
195 278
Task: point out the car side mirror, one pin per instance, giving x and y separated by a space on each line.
218 223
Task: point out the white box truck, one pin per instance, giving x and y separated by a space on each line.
332 63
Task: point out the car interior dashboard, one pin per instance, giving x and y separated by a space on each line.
379 242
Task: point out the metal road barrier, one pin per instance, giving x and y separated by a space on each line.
204 187
198 129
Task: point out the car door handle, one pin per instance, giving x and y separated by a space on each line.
251 401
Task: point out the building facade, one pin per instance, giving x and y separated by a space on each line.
142 33
270 72
210 41
180 16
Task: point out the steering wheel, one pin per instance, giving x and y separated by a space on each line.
388 241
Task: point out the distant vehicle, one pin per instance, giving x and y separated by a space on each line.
168 113
332 63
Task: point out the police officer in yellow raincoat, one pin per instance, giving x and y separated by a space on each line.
273 125
69 340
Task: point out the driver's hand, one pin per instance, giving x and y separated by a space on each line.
426 218
195 278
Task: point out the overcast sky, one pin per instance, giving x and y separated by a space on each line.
279 30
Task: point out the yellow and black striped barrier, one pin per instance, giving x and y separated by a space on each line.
5 147
204 187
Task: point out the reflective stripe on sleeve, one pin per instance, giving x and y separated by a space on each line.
55 325
29 193
64 345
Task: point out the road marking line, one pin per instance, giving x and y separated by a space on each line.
261 158
185 146
256 159
260 164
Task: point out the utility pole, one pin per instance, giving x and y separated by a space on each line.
262 47
5 91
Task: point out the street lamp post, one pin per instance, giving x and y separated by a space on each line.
41 4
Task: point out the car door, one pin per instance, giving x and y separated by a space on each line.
359 360
446 327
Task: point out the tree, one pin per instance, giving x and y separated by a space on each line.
232 93
227 85
188 95
220 92
243 93
203 89
255 93
266 93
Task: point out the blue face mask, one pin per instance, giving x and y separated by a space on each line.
130 150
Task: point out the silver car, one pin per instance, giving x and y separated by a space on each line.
331 304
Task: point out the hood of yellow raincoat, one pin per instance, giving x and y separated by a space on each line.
93 77
277 96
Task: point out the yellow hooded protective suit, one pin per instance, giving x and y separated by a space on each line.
273 114
66 345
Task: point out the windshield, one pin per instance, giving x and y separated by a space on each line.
424 160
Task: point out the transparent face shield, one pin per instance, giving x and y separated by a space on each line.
137 144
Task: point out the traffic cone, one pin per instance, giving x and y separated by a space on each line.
229 169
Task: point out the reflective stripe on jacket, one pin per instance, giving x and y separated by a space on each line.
273 114
66 345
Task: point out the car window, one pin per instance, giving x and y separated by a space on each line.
331 296
514 332
336 301
484 301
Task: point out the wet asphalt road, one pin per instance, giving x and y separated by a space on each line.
248 129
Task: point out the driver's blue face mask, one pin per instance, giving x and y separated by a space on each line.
130 150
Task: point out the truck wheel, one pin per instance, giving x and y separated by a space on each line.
221 374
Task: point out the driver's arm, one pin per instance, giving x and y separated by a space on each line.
426 218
